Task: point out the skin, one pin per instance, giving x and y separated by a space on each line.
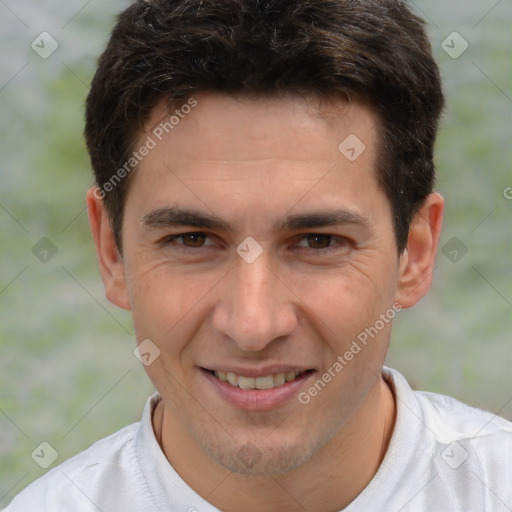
253 162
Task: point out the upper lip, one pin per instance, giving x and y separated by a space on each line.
257 372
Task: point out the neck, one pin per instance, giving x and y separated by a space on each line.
329 481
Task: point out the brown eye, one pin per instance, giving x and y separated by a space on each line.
319 241
193 239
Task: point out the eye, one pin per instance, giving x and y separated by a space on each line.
317 241
190 240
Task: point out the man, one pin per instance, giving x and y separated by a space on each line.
264 208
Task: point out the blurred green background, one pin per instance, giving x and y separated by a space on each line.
68 374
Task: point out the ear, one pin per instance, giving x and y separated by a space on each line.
418 259
109 259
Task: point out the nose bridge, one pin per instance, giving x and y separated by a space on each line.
255 307
253 286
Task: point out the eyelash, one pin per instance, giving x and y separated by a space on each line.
173 238
334 243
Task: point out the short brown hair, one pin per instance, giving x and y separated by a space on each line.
375 50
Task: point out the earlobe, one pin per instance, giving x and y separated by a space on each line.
418 259
109 259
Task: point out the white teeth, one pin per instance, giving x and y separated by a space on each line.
266 382
279 379
263 382
246 382
289 376
232 379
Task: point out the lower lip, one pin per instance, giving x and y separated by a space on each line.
258 399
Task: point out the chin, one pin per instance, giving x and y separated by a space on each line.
251 460
262 457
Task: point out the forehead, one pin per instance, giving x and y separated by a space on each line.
235 155
236 128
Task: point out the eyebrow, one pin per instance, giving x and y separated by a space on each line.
321 219
176 216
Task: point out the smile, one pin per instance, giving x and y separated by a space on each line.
258 390
265 382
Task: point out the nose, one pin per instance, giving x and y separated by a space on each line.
255 308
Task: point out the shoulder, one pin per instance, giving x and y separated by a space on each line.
452 418
77 482
448 418
465 433
465 451
485 434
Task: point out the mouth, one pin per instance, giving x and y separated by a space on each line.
260 391
262 383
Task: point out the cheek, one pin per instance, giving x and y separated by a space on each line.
166 303
345 301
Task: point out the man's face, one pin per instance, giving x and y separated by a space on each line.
253 245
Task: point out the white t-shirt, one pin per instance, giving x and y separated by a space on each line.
444 456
